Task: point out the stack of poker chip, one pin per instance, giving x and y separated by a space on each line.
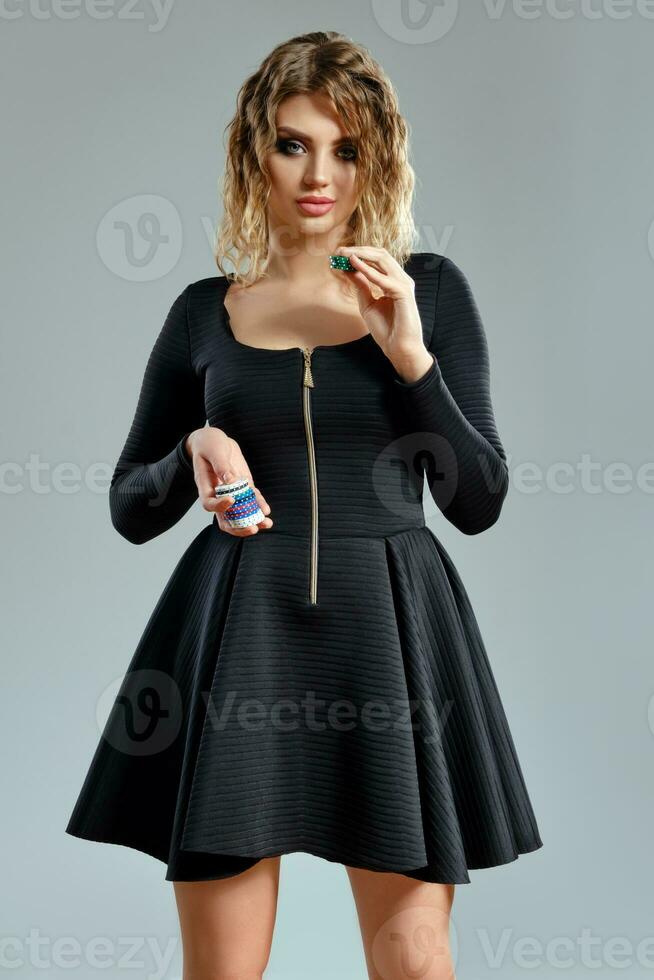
341 262
245 510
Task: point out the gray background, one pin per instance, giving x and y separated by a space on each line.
532 141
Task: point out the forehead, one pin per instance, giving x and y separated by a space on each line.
312 114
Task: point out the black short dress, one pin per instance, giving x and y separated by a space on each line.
321 686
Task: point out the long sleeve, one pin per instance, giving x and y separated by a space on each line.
450 405
153 484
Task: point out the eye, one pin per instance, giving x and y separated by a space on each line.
284 144
351 150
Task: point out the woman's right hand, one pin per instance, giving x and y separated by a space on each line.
217 458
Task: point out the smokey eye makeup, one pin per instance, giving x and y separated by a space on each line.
286 145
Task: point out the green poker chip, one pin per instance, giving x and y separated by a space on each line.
341 262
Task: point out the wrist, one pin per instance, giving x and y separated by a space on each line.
188 445
413 364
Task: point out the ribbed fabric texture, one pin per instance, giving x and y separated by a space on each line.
153 486
452 403
366 728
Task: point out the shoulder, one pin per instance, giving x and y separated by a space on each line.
209 284
422 262
429 270
203 294
446 302
439 267
444 278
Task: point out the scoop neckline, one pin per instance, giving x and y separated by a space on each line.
227 324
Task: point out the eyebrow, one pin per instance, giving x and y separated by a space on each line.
307 139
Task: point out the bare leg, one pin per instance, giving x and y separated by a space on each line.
227 925
404 925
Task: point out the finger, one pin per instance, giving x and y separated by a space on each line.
364 285
261 500
238 465
236 471
221 504
378 278
371 253
206 479
204 476
225 473
224 525
244 470
228 464
238 532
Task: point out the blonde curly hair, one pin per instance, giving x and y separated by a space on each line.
366 101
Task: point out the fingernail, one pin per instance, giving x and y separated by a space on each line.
227 476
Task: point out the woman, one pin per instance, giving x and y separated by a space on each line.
315 681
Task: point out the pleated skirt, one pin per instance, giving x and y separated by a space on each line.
366 729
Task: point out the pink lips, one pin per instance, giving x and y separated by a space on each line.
316 205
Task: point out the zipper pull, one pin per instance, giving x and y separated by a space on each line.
308 377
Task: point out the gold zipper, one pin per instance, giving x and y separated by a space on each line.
307 385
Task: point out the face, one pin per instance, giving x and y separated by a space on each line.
313 157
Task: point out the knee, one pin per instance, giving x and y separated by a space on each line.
221 967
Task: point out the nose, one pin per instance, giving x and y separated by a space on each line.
316 171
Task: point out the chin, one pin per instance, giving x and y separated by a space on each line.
316 223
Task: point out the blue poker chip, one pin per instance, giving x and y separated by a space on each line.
245 510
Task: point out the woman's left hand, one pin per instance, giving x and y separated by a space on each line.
392 317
